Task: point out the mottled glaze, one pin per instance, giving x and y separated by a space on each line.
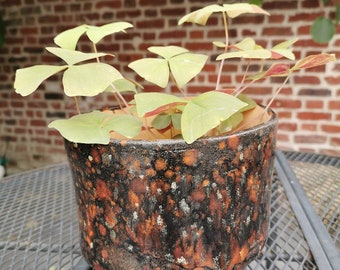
169 205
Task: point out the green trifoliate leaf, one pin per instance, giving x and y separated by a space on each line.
186 66
183 65
250 54
231 123
176 120
247 48
246 44
122 85
95 127
27 80
206 112
167 51
69 38
152 69
72 57
96 33
164 120
155 103
285 44
219 44
282 50
250 102
234 10
202 15
161 121
89 79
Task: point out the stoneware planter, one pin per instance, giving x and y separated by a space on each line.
169 205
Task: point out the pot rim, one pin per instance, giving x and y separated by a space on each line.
272 121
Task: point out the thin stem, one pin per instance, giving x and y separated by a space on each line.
265 109
95 50
225 50
238 91
119 95
77 104
276 93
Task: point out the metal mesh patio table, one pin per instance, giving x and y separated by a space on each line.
39 227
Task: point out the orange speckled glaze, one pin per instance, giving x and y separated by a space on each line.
169 205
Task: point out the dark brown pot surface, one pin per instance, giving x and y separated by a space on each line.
169 205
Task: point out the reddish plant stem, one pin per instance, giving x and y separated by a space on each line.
225 23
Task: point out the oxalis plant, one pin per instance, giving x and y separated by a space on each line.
211 113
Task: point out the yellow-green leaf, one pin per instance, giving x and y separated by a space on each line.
161 121
236 9
69 38
122 85
250 54
96 33
27 80
202 15
207 111
152 69
219 44
72 57
167 51
89 79
149 102
95 127
186 66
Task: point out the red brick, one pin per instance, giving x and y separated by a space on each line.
279 5
315 92
176 12
304 17
198 46
314 104
309 127
331 128
277 31
334 105
305 139
335 141
288 126
275 18
306 80
172 34
49 19
112 4
196 34
310 4
38 123
314 116
198 89
152 2
155 23
333 80
286 103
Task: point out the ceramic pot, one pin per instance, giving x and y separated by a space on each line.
165 204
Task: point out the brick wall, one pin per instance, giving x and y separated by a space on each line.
308 107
